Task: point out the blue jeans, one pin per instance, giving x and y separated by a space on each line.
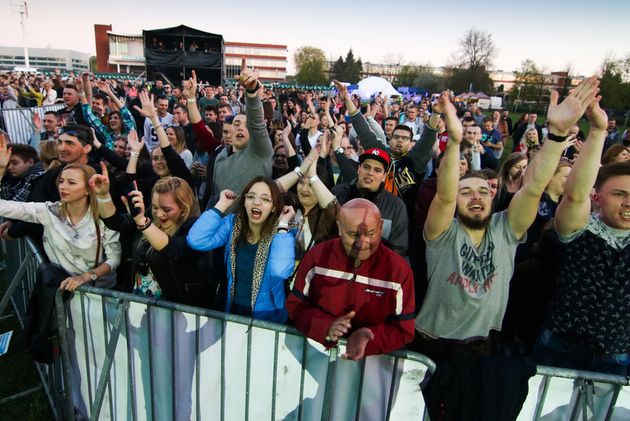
554 350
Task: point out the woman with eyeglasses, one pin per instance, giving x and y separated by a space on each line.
163 266
259 249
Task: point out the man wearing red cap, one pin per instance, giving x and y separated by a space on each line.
373 166
355 287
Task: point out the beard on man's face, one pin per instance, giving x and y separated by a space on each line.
474 223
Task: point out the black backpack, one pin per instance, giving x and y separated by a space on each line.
40 328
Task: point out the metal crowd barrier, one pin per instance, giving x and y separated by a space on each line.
130 357
18 122
21 259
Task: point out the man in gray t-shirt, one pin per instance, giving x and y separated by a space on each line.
470 259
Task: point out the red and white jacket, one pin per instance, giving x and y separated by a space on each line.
380 291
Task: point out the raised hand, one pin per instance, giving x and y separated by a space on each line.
597 118
453 125
190 86
37 121
287 214
337 132
5 152
137 201
133 142
564 115
148 107
226 200
248 77
104 87
357 342
342 89
340 327
99 183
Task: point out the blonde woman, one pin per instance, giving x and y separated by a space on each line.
74 237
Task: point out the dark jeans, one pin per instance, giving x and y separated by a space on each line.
438 349
554 350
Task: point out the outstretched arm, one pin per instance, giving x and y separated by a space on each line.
575 207
259 138
442 209
560 117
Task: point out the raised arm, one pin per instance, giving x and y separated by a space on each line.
289 179
202 133
442 208
575 207
107 90
365 134
258 136
422 151
560 117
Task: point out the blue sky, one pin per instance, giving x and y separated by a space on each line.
553 33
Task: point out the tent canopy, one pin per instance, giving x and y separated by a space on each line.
374 85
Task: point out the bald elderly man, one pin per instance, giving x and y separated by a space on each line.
355 287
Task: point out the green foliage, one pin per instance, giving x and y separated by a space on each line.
531 81
459 80
348 70
615 83
419 76
310 64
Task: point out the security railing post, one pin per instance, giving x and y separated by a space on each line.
329 392
104 378
68 411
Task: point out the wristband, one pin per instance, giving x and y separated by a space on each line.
191 100
146 225
134 153
298 171
253 91
103 199
283 225
283 229
313 178
556 138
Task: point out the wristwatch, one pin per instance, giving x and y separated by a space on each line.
340 150
93 276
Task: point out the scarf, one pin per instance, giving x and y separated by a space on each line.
260 261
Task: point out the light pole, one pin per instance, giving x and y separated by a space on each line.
19 6
518 97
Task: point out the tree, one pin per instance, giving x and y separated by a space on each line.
348 70
474 56
464 80
408 74
310 65
92 64
530 80
476 50
430 81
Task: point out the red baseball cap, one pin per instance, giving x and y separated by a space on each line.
378 155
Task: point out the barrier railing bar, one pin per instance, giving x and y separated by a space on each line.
222 370
392 386
130 372
613 402
360 390
198 365
567 373
172 363
150 347
542 395
105 378
275 375
106 334
302 376
330 385
248 371
87 354
20 394
15 281
579 403
65 355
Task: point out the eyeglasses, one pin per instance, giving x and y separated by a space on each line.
265 198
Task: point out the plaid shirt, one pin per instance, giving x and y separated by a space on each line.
103 131
19 189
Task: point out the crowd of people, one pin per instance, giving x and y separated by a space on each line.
390 223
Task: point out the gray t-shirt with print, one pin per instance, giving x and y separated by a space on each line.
468 286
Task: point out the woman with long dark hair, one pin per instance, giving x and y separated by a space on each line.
259 249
